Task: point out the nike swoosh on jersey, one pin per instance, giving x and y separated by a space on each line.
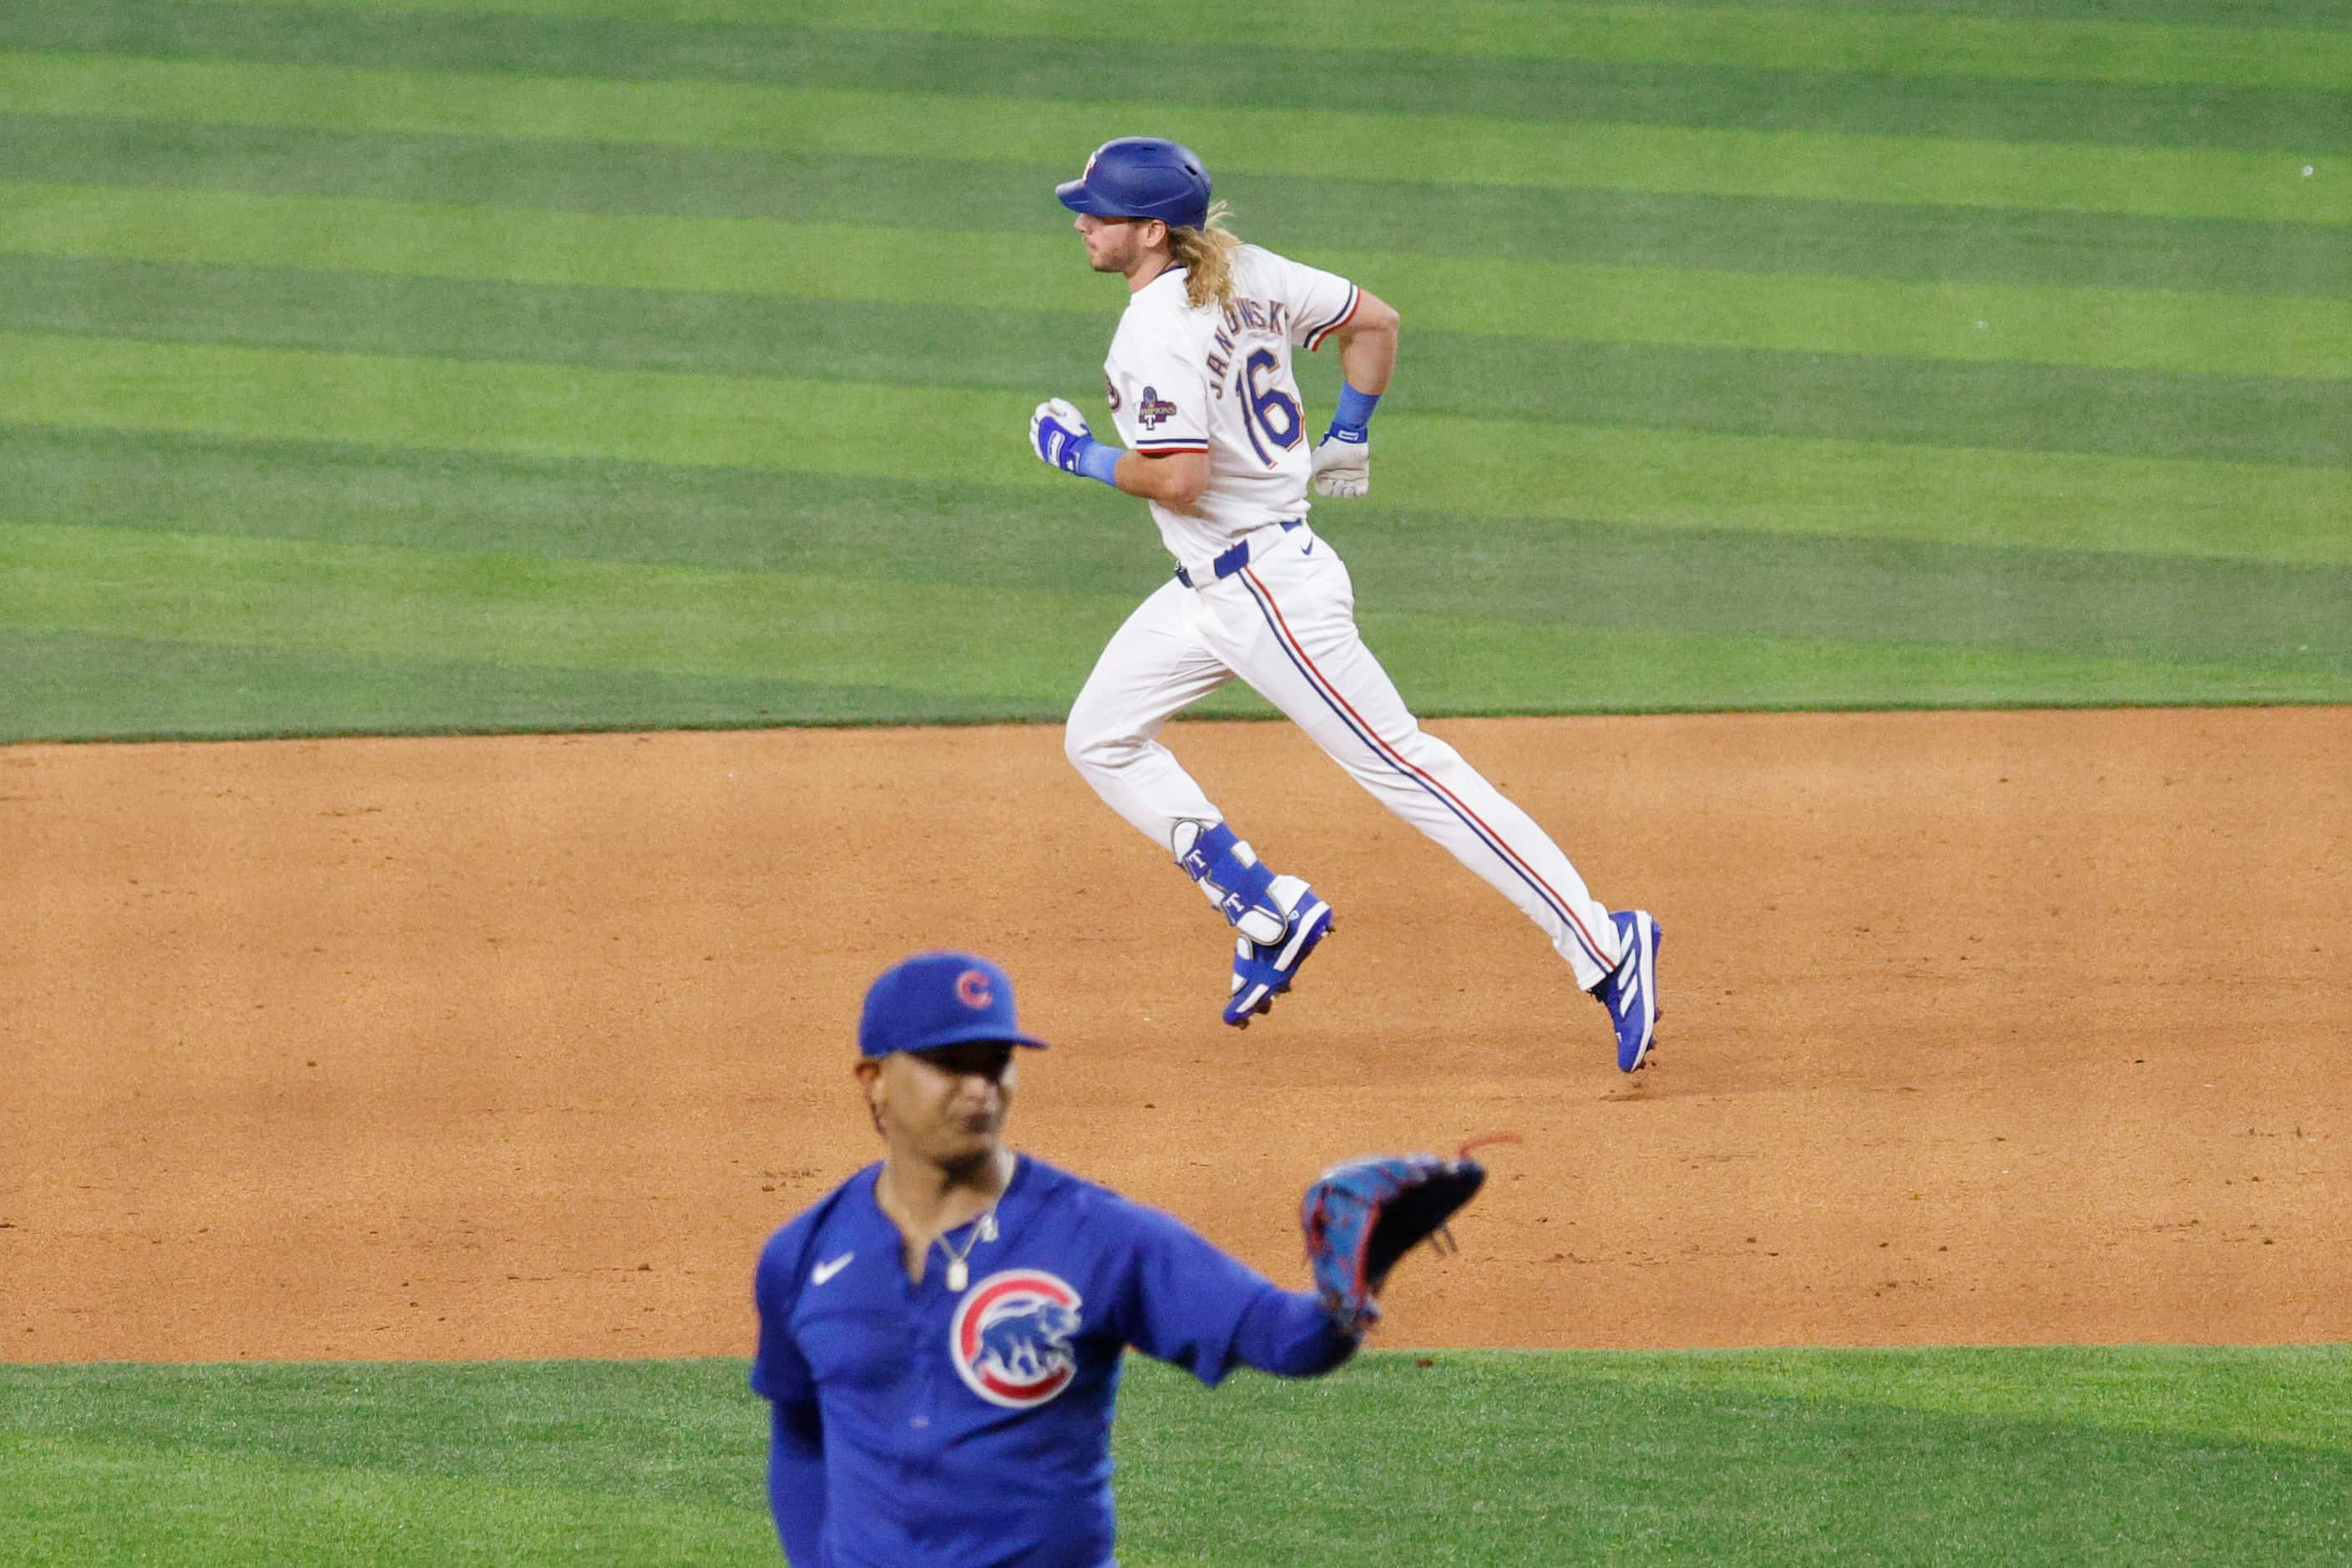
824 1271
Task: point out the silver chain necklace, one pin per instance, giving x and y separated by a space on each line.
983 1229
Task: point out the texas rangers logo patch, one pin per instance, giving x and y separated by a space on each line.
1010 1338
1153 410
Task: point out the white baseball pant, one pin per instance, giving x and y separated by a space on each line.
1286 623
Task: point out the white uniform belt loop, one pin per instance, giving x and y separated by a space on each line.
1233 560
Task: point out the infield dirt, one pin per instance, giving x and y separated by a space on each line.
1980 1028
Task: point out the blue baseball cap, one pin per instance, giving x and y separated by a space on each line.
937 999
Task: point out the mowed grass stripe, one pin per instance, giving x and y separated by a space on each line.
1487 664
1293 214
358 600
1496 466
2235 334
723 519
1456 149
1425 561
1786 37
1994 404
1204 71
777 631
2317 14
66 685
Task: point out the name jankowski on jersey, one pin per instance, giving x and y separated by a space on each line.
1256 318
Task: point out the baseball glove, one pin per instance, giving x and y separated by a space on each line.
1361 1217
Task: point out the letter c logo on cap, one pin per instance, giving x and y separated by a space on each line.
972 989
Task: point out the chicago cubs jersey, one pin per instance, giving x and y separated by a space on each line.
1218 380
918 1424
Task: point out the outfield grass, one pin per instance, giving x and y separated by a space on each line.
1485 1457
451 365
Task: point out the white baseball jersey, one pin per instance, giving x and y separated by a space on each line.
1213 380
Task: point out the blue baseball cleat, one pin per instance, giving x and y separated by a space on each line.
1631 990
1263 971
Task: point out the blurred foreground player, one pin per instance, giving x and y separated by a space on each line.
940 1335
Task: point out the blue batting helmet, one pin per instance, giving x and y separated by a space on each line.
1142 176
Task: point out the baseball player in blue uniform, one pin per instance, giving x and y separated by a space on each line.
940 1335
1199 382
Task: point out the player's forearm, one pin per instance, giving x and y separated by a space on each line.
1288 1333
1368 351
1175 479
1058 433
1368 345
1369 359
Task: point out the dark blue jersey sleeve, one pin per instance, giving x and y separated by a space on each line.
796 1434
1187 1302
1288 1333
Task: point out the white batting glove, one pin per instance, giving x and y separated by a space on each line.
1343 467
1058 433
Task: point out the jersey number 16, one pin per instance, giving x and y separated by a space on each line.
1268 409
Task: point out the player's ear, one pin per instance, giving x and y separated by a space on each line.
868 1073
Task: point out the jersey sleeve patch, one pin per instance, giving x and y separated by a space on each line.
1151 411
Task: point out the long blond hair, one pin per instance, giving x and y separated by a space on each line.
1206 253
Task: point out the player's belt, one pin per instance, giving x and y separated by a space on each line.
1233 560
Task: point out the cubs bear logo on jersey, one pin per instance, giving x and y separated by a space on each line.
1154 409
1010 1337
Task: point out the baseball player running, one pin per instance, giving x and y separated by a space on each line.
940 1335
1199 385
